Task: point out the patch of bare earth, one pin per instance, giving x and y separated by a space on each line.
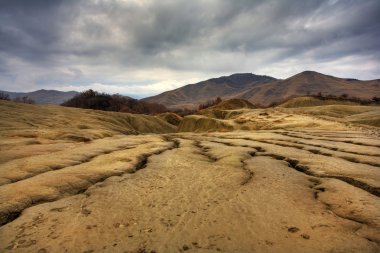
259 191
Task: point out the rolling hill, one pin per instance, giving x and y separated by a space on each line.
264 90
54 122
191 95
310 82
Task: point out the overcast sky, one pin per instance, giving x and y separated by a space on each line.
142 48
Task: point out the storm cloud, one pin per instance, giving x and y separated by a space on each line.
142 48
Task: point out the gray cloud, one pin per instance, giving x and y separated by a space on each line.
149 46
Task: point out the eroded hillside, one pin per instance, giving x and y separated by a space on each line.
297 187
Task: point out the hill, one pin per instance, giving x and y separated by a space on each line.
54 122
227 108
264 90
101 101
310 82
170 117
334 116
44 96
364 115
190 96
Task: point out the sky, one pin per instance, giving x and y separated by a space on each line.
142 48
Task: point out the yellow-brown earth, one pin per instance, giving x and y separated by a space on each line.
273 180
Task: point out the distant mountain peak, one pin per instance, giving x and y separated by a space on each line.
43 96
310 72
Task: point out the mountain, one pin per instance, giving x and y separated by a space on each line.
192 95
310 82
44 96
265 90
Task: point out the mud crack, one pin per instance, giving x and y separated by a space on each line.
12 212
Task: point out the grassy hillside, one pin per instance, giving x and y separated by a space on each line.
310 82
264 90
191 95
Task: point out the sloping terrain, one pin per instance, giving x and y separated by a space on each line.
300 184
262 90
306 101
232 104
366 115
190 96
171 118
45 96
51 122
310 82
268 191
227 108
338 117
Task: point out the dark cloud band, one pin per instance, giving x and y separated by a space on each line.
66 37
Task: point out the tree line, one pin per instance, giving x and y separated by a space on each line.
24 99
91 99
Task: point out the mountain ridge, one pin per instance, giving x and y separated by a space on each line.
311 82
43 96
192 94
266 90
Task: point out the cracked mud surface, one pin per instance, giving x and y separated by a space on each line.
261 191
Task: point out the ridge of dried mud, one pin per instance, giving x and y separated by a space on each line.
259 191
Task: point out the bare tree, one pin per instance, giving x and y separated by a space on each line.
4 96
25 100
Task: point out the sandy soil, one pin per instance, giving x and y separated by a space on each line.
259 191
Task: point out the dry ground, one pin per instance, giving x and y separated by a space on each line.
271 190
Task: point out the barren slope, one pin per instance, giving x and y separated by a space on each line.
264 90
309 188
308 101
190 96
310 82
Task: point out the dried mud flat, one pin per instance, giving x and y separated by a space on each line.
259 191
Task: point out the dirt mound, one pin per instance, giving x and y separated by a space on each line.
367 115
227 109
197 123
171 118
232 104
312 101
